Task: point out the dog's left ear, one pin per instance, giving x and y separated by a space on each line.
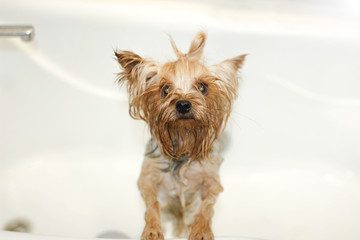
235 63
227 74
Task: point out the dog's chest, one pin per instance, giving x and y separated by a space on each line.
181 184
183 189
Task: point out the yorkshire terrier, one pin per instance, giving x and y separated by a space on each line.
186 105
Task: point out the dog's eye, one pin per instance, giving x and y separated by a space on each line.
165 91
203 88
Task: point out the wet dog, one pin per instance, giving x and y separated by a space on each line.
186 105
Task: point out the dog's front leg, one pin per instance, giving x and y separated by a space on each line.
200 229
148 185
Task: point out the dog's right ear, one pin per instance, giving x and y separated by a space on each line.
139 74
137 71
128 60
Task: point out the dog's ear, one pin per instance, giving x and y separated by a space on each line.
128 60
226 73
235 63
139 73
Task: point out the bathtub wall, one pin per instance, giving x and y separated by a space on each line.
70 154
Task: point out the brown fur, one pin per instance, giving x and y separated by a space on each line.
154 90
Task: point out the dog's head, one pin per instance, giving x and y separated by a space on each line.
185 103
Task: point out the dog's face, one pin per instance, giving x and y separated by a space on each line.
185 103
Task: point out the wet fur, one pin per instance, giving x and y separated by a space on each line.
179 175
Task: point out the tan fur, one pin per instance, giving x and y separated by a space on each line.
180 171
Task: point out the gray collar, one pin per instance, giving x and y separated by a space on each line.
173 164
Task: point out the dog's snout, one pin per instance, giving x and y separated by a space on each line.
183 107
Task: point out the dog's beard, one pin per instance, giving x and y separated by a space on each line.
179 138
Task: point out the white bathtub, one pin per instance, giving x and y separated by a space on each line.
70 154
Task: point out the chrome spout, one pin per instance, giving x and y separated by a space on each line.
26 33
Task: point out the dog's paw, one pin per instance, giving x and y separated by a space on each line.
201 233
151 233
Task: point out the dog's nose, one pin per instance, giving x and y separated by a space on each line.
183 107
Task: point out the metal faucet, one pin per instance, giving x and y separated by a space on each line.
26 33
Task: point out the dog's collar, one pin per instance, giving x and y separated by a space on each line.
173 164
